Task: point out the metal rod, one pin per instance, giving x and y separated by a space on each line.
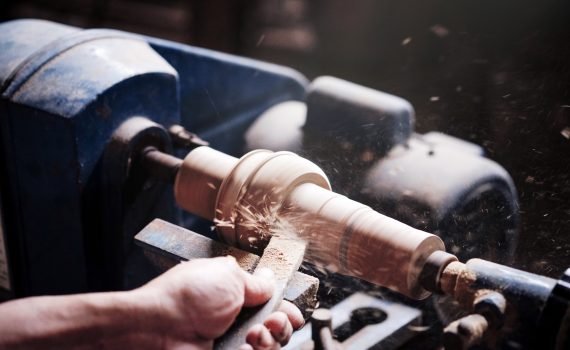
161 166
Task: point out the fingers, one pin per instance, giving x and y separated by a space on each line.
258 287
279 326
260 338
276 331
293 314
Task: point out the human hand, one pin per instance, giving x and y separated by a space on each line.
198 301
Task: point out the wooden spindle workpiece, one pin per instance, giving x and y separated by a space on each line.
254 197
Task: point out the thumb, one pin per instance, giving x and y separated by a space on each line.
258 287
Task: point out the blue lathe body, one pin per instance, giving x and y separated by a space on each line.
82 110
70 205
65 91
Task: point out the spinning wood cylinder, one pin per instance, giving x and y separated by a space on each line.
268 193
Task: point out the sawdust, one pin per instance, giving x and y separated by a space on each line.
283 256
258 222
247 261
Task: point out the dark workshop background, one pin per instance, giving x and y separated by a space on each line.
495 72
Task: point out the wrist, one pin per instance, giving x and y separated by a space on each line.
143 310
165 315
132 318
112 320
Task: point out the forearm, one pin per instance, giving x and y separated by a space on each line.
98 320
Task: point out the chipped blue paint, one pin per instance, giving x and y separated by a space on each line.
64 92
